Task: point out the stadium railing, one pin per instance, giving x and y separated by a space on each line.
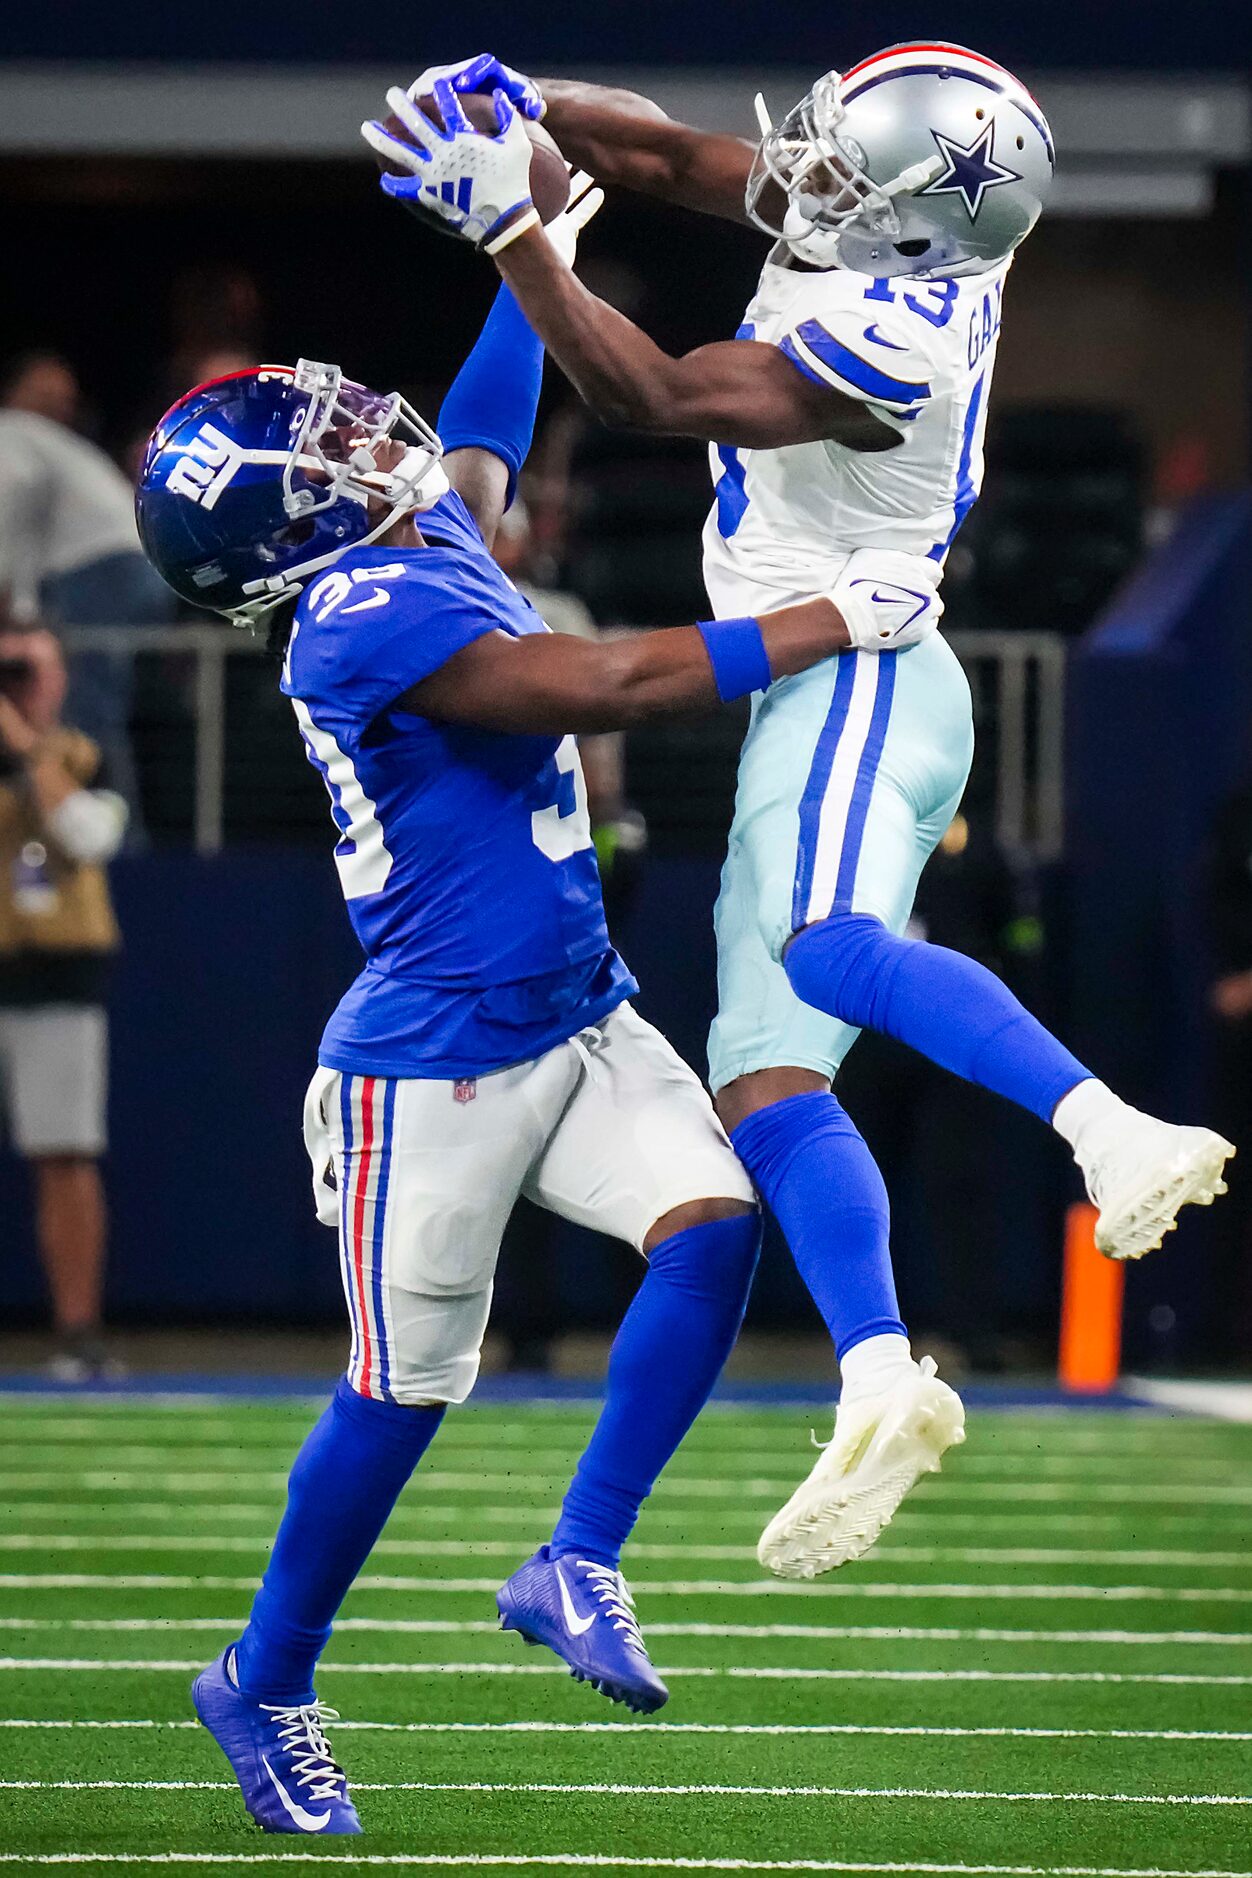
1017 678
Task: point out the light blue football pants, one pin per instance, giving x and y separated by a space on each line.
850 774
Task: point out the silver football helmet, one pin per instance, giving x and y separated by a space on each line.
924 159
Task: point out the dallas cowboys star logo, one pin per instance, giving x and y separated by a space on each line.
971 171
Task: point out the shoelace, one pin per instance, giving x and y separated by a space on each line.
611 1590
302 1735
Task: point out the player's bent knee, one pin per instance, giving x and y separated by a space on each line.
713 1260
762 1088
835 964
432 1344
694 1213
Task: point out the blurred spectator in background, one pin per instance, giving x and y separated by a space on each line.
69 553
45 383
58 828
1230 999
215 308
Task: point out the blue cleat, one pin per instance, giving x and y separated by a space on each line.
280 1756
585 1613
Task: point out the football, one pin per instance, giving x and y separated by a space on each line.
549 178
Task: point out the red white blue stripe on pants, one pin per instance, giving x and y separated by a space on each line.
367 1106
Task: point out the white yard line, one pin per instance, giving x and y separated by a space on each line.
605 1861
701 1728
826 1633
505 1548
264 1512
619 1789
194 1480
654 1588
559 1461
120 1666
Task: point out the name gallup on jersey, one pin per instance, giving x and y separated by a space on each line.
205 467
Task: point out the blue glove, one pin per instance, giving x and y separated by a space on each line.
475 183
483 73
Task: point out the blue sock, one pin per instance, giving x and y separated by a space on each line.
345 1481
949 1007
823 1187
669 1352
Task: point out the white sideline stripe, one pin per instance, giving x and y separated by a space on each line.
631 1789
188 1665
684 1588
1231 1401
704 1728
605 1861
698 1487
827 1633
504 1548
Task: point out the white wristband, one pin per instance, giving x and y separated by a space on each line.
514 229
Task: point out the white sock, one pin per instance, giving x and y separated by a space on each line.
1087 1103
874 1366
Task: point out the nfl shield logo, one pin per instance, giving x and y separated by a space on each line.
465 1090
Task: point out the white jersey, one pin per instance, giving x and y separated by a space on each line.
919 354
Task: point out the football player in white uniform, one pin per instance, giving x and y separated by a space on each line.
848 413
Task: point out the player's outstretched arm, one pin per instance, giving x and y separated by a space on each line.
735 392
626 140
547 684
619 136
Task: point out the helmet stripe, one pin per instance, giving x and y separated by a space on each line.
1025 103
959 53
226 378
908 48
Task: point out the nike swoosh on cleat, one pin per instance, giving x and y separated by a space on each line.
307 1822
576 1625
872 333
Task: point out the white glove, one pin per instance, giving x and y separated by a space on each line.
472 181
483 73
585 200
888 600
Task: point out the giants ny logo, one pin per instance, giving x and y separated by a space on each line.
205 467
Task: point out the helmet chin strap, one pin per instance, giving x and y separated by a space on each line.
808 240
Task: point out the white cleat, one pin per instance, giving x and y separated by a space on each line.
1141 1172
879 1451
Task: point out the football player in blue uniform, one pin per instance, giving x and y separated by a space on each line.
489 1047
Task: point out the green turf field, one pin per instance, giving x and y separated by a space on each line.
1046 1666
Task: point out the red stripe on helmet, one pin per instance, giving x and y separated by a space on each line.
226 378
939 47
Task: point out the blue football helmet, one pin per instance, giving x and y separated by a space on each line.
253 482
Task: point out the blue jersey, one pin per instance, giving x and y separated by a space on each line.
465 855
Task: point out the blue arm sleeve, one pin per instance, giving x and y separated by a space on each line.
494 397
